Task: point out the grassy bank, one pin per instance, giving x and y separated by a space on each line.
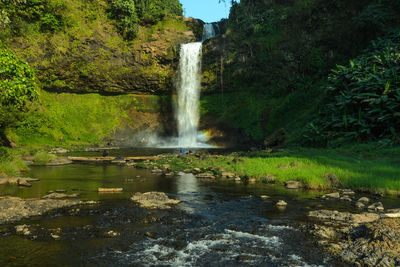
362 167
69 120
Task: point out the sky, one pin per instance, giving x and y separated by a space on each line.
206 10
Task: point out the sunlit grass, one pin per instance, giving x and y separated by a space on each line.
310 166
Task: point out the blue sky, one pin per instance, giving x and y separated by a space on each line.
206 10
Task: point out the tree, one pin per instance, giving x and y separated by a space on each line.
17 90
124 12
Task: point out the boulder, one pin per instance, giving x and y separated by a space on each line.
154 200
393 213
281 203
378 207
60 196
364 200
335 195
360 205
343 217
228 175
293 185
252 180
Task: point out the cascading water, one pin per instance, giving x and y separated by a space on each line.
188 88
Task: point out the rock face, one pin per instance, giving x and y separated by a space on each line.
154 200
14 209
365 239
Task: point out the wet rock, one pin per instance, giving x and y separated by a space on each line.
14 209
264 196
169 174
17 181
293 185
348 192
252 180
343 217
166 167
228 175
335 195
378 194
55 236
393 213
154 200
59 196
281 203
378 207
22 229
59 150
364 200
157 171
238 179
112 234
61 191
205 175
346 198
196 170
360 205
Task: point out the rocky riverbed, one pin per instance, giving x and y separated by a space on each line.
14 209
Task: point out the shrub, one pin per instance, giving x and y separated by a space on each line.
363 98
42 158
124 12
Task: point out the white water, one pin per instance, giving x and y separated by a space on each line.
188 89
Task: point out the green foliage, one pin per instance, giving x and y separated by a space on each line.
363 98
42 158
17 89
47 14
124 12
5 154
152 11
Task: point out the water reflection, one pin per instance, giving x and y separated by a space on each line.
188 191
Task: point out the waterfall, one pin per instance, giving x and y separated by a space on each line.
188 89
208 31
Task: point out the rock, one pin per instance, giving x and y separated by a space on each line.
157 171
112 234
205 175
59 150
378 207
228 175
154 200
252 180
17 181
196 170
348 192
14 209
22 229
61 191
238 179
346 198
110 190
392 213
332 179
360 205
166 167
264 196
293 184
378 194
335 195
55 236
169 174
343 217
60 196
281 203
364 200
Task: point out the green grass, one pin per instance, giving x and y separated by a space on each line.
69 120
42 158
355 167
11 165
